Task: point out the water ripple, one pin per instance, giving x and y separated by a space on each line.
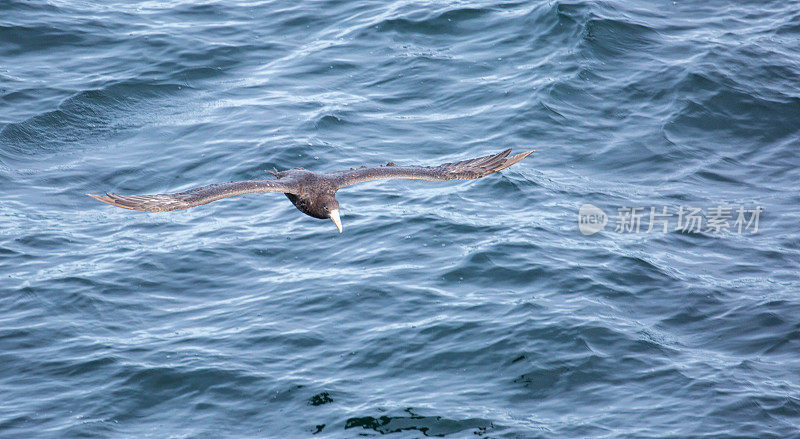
455 309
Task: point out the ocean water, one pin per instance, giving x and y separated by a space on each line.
457 309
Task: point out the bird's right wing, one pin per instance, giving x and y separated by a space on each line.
463 170
194 197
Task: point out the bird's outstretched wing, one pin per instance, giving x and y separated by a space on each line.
194 197
463 170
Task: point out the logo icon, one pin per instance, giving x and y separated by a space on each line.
591 219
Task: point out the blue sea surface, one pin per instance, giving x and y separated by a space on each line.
454 309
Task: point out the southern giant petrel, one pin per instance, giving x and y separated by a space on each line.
314 193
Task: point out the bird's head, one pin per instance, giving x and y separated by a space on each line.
330 208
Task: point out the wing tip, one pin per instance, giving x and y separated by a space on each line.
525 154
110 199
104 199
522 155
515 158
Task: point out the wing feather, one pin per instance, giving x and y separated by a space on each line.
463 170
193 197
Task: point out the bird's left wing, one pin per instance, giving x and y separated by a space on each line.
463 170
194 197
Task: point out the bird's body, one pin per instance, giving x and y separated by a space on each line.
314 193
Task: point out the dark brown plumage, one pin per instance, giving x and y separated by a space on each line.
313 193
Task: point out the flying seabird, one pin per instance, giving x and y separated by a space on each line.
314 193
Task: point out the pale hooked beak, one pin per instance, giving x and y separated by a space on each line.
336 220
